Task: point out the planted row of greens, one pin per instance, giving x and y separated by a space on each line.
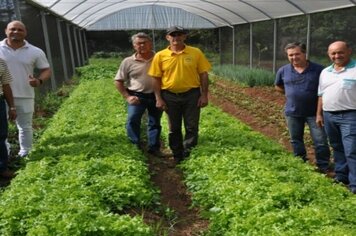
244 75
248 185
83 174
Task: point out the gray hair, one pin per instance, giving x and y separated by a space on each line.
300 45
140 35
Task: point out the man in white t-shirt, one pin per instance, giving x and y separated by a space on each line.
22 58
337 111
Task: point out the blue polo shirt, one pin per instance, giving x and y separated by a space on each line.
301 89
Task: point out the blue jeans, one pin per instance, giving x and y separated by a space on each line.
3 135
341 129
320 141
134 116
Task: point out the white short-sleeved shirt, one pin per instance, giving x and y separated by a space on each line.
21 63
134 73
338 88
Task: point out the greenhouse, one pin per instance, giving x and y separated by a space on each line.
84 177
248 32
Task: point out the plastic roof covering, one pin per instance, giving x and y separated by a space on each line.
158 14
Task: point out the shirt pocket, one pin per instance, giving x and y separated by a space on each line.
349 83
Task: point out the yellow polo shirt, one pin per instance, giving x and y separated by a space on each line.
179 72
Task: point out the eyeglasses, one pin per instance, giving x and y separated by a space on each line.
175 34
141 42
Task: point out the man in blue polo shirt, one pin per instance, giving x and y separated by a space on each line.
299 82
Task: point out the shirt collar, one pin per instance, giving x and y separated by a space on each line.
351 64
183 51
4 44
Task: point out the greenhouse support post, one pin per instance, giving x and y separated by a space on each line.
48 49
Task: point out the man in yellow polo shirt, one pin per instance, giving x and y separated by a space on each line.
180 75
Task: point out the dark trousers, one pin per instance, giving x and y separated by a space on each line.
3 135
182 107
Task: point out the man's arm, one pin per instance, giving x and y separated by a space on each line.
279 88
44 75
160 104
123 91
204 88
319 113
9 100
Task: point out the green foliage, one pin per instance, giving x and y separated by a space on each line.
99 68
102 54
248 185
82 173
244 75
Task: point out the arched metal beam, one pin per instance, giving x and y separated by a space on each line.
256 8
296 6
184 5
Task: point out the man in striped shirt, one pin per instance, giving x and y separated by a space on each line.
5 95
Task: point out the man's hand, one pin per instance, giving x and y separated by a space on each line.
133 100
319 121
160 104
12 113
203 101
33 81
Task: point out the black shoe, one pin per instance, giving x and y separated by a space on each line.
7 174
302 157
341 180
186 153
322 170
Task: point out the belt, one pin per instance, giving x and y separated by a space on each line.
340 112
139 94
182 93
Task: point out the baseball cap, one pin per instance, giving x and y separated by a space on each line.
176 29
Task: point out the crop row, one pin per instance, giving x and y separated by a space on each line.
83 174
248 185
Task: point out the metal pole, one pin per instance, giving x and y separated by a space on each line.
48 48
275 29
308 35
233 46
61 46
70 47
251 45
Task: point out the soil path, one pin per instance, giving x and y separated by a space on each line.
174 194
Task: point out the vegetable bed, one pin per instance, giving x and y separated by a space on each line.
82 174
248 185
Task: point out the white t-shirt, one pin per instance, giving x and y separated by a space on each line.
21 63
338 88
